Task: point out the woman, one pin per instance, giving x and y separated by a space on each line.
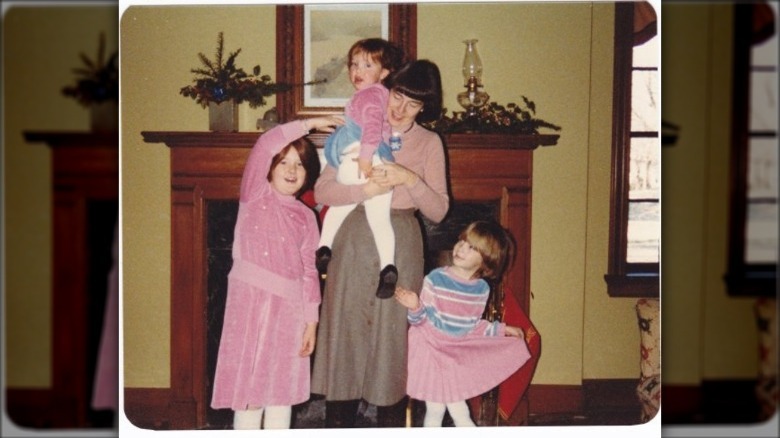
362 339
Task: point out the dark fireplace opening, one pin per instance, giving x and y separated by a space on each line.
220 223
101 221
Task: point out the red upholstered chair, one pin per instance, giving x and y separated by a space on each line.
512 403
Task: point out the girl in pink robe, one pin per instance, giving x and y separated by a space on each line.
273 297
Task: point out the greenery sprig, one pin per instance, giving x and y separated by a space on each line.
221 80
494 118
98 80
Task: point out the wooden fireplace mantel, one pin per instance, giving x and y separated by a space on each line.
208 166
85 192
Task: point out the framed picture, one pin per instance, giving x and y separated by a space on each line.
328 33
312 43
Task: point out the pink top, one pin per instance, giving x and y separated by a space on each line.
423 153
368 108
276 235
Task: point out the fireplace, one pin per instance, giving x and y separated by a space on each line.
490 176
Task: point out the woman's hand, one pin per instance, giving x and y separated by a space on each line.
309 339
390 175
324 123
514 331
407 298
371 189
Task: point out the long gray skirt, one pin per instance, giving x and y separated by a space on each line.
362 340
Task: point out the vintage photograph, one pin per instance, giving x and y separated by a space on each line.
462 228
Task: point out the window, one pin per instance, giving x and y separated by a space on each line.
635 219
753 235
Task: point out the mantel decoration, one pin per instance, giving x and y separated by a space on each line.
97 88
482 116
473 98
222 86
494 119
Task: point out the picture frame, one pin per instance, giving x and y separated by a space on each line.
298 26
328 32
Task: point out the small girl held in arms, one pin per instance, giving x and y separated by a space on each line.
455 355
364 141
273 296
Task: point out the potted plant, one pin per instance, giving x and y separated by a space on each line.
97 87
221 85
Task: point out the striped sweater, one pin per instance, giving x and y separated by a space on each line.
454 305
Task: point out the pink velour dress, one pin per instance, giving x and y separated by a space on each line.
273 290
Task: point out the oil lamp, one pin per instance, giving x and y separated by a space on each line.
473 98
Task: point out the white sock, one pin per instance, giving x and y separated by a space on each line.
434 414
461 416
247 420
277 417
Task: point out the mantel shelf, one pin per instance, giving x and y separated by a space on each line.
247 139
73 138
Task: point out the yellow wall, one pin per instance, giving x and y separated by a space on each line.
707 334
557 55
40 47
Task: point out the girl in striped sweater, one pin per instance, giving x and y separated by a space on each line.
454 354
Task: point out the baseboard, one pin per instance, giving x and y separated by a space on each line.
152 408
593 395
148 408
680 403
553 399
31 408
46 408
731 401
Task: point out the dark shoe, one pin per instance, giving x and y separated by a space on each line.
322 259
341 414
393 415
387 281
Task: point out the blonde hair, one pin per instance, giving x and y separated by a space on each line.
494 244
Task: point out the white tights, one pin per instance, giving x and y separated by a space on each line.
377 211
459 411
276 417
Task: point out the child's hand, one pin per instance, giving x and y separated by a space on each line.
514 331
364 167
324 123
309 339
407 298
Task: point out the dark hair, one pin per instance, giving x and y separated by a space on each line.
307 152
419 80
494 244
380 50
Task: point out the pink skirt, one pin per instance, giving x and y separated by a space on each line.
258 363
445 369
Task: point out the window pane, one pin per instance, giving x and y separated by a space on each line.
766 52
763 101
762 168
761 233
761 224
644 173
644 219
646 55
644 100
644 232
